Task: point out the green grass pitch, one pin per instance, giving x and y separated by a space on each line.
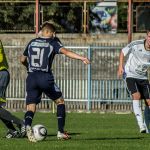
91 131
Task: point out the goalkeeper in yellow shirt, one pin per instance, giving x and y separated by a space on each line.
7 118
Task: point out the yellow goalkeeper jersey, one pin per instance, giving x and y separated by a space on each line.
3 60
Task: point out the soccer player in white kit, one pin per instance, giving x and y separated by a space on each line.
135 71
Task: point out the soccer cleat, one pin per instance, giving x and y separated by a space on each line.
22 130
143 129
12 134
63 136
30 134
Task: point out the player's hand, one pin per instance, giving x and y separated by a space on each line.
85 60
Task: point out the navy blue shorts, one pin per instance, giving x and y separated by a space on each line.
38 83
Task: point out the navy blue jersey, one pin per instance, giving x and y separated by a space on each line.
40 53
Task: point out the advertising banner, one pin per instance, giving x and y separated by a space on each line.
103 17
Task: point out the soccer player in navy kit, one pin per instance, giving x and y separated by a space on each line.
135 69
38 57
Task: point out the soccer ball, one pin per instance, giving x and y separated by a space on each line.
40 132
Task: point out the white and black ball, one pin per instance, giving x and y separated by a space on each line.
40 132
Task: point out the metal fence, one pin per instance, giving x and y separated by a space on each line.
83 86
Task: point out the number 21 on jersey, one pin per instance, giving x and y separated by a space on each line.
37 57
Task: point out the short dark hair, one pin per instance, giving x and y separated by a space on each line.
148 30
49 26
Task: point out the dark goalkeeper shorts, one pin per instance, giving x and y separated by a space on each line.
38 83
138 85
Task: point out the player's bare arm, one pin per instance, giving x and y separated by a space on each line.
23 60
73 55
121 63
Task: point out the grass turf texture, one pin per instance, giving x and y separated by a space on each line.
88 131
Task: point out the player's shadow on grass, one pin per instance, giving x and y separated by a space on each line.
115 138
51 135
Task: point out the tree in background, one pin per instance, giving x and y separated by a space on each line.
67 17
16 17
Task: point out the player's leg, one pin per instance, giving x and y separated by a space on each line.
146 96
33 98
5 115
31 108
61 116
8 124
29 115
138 112
12 132
54 93
147 116
133 87
4 81
8 119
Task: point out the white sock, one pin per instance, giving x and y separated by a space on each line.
147 117
138 112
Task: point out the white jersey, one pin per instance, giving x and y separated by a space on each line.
138 60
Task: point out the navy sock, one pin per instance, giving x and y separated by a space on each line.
61 115
28 118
